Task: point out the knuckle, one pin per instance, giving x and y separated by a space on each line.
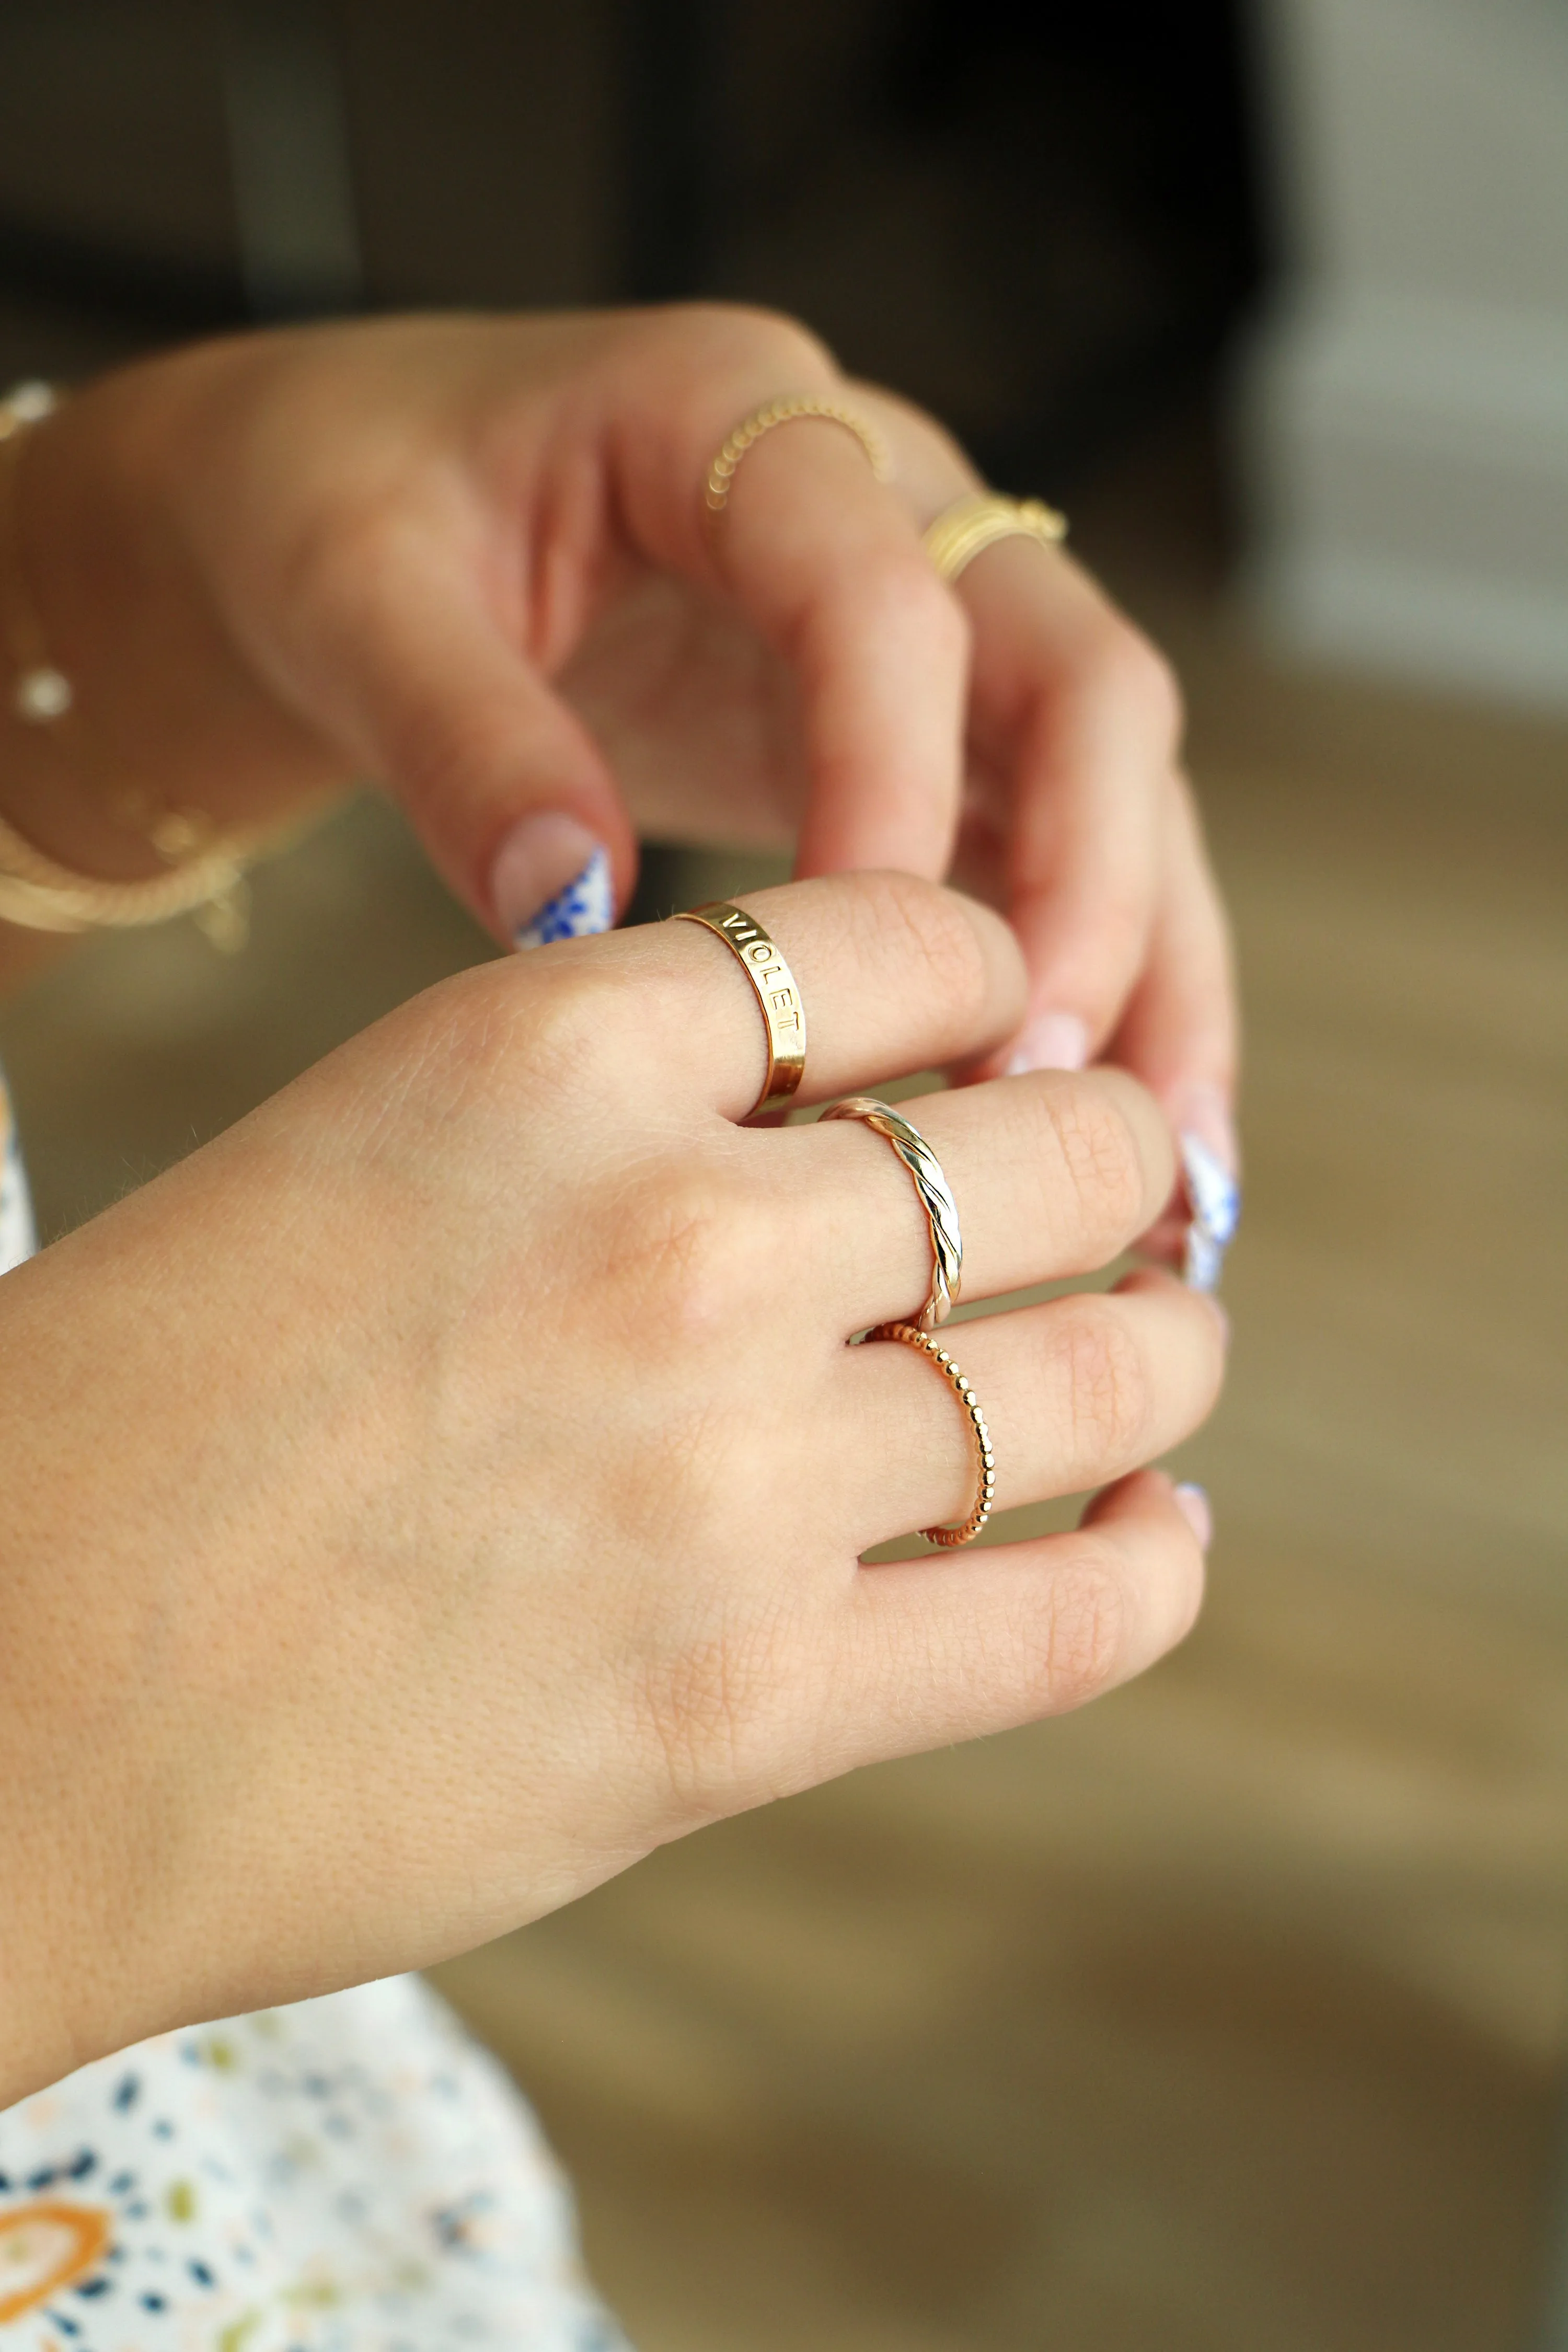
748 336
898 592
1085 1630
1130 668
1108 1390
496 1049
692 1253
449 759
1102 1167
562 1033
898 915
706 1710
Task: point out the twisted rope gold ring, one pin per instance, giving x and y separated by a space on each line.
934 1194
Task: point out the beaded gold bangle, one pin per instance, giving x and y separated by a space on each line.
205 876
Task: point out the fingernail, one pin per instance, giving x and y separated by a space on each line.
1051 1040
550 880
1209 1164
1214 1199
1204 1112
1192 1503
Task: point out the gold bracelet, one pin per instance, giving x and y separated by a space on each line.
205 876
964 529
43 897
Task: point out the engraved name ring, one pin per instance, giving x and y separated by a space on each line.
784 1013
934 1194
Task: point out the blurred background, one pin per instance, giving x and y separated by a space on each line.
1231 2012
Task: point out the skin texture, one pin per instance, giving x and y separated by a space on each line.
451 1482
469 558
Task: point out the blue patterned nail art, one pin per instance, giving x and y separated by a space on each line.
1215 1199
585 906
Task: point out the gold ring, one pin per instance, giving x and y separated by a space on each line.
951 1537
721 472
935 1196
964 529
783 1010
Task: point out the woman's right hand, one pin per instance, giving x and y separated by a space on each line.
451 1482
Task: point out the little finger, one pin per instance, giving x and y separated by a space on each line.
965 1644
1179 1034
1075 703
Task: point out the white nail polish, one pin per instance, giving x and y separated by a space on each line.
1214 1197
551 880
1192 1503
1050 1041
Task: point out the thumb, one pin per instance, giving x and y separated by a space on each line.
505 787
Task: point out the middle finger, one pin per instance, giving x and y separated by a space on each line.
1054 1173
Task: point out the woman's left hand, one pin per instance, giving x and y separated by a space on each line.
471 558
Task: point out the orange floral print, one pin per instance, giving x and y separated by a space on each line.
42 2249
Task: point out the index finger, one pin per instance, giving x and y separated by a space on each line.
896 975
827 563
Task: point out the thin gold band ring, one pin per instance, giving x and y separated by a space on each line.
950 1538
971 525
783 1008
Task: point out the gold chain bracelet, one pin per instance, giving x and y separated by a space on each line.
205 876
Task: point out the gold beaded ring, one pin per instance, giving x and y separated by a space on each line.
784 410
950 1538
933 1192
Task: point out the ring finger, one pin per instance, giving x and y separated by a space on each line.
1075 1393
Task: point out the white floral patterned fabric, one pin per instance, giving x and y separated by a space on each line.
17 1239
352 2174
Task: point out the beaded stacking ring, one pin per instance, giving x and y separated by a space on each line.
964 529
721 472
934 1194
784 1013
986 1460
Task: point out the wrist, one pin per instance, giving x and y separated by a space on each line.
154 1612
135 747
46 792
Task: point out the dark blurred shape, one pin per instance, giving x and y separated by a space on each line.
672 165
288 137
1041 221
115 195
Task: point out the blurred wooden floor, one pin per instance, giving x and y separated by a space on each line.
1229 2014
